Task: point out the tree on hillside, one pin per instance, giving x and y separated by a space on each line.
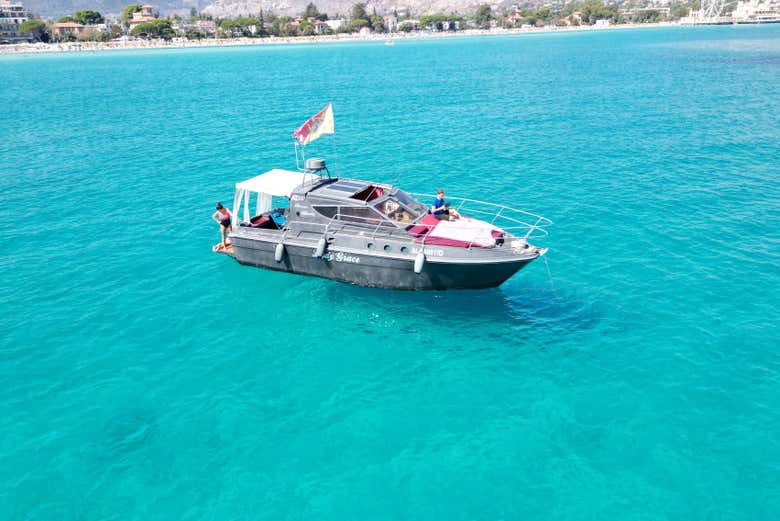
261 30
483 16
679 11
593 10
648 16
65 19
35 28
359 12
377 23
88 17
93 35
127 13
358 24
240 26
311 11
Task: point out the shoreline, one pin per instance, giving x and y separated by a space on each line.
182 43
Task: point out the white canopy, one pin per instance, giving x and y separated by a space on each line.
276 182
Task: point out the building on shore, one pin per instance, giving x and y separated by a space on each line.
208 27
336 24
631 13
391 23
712 12
145 15
62 30
12 15
757 11
409 25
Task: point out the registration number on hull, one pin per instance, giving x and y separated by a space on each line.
429 251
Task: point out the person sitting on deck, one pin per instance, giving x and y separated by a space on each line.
437 208
222 217
441 208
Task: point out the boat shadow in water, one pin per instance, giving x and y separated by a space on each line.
524 308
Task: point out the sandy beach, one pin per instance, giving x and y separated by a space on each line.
176 43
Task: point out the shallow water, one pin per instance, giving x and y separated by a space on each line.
144 377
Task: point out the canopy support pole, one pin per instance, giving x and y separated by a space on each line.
236 206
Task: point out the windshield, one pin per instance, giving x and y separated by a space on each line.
400 208
415 206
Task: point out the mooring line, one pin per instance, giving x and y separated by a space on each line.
549 276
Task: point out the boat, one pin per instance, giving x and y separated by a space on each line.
310 222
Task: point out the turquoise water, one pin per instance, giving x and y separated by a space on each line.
144 377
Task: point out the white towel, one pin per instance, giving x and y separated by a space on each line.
468 230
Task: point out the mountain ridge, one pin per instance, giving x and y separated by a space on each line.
228 8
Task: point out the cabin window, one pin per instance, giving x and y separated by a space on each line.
416 207
396 212
361 215
369 193
326 211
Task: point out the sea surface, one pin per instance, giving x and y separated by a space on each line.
143 377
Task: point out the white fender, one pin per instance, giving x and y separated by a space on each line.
279 252
419 261
321 244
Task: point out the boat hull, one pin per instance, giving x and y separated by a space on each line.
377 270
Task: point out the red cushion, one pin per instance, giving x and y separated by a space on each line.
441 241
418 229
430 220
258 223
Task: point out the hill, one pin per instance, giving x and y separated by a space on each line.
223 8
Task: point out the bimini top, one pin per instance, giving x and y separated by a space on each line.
276 182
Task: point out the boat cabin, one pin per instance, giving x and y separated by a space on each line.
282 196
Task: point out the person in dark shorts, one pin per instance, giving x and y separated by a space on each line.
222 217
447 213
441 209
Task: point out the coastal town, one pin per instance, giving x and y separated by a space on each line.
143 25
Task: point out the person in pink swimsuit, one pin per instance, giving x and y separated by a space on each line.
222 217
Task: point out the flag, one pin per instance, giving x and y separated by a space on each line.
318 125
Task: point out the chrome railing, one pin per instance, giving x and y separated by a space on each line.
515 222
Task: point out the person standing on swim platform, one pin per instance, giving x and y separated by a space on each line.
222 217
